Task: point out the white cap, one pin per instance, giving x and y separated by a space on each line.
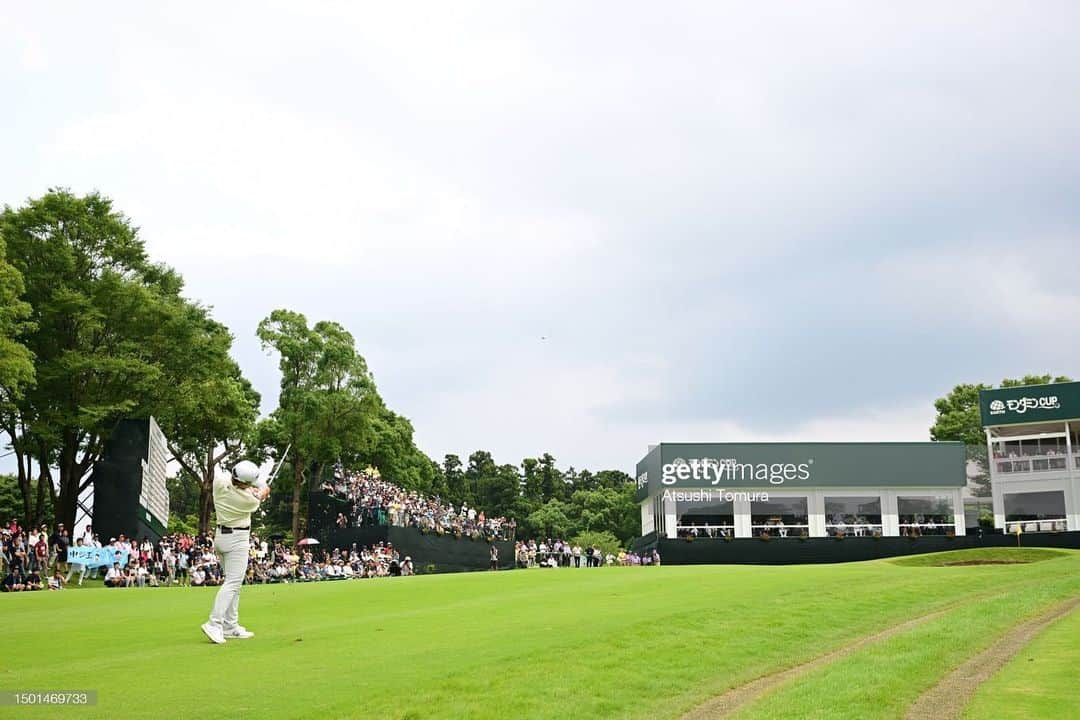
246 472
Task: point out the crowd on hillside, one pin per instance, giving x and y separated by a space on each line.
374 501
557 553
37 559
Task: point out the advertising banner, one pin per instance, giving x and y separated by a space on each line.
97 557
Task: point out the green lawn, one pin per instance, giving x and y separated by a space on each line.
618 642
1039 682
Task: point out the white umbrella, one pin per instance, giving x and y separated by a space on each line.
309 541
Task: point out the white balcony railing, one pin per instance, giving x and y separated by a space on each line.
856 529
780 530
1052 462
1030 526
705 530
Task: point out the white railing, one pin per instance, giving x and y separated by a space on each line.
857 529
705 530
780 530
927 528
1044 525
1034 463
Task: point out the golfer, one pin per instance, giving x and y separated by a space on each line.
235 498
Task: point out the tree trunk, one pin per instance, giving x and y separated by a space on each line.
206 493
64 512
24 486
298 485
44 481
206 505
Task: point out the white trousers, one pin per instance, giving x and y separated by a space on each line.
232 552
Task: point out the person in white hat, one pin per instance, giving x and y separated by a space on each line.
236 496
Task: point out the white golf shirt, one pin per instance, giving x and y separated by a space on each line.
233 505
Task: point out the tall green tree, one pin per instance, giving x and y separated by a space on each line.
209 408
99 313
958 419
16 362
454 477
327 398
392 449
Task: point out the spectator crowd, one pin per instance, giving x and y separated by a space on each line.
558 553
374 501
37 559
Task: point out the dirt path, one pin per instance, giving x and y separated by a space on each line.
726 703
951 695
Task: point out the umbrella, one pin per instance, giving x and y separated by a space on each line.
308 541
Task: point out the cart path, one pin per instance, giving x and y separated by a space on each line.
728 702
948 698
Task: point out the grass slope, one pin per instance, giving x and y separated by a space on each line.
620 642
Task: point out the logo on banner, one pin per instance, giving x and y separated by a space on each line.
1022 405
717 470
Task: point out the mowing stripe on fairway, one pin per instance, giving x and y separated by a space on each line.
1038 682
733 699
883 680
950 696
723 705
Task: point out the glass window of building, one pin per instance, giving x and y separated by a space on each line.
1031 455
705 518
856 516
927 515
1035 511
780 517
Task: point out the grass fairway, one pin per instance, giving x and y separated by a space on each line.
619 642
1039 682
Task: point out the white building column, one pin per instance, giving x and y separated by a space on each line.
1072 497
890 522
647 523
997 497
742 516
815 510
670 518
958 512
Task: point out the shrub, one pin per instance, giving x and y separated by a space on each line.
606 541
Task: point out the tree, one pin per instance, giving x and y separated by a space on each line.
392 449
532 488
16 362
454 478
97 330
958 419
551 520
499 490
209 410
552 484
327 400
481 465
604 540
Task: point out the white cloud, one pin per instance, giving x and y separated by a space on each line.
675 199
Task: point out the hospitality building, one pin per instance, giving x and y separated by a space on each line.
790 490
1033 446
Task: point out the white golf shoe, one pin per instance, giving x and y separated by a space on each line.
239 633
214 632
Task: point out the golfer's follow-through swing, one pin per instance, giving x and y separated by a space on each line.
236 496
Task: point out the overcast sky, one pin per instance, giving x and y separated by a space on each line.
728 222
